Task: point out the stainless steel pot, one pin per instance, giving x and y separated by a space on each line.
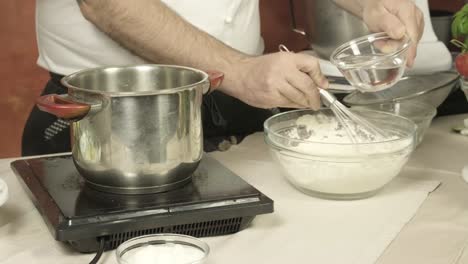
135 129
327 26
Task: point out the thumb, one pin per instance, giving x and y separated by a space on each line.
311 67
391 25
382 20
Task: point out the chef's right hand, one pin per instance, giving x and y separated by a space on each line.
395 17
279 79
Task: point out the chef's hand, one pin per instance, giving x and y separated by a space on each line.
279 79
395 17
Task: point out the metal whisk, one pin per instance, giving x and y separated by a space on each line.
359 130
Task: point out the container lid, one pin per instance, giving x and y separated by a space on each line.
408 87
162 248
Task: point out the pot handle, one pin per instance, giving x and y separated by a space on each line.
62 107
216 79
293 19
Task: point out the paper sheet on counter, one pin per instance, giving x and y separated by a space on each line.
308 228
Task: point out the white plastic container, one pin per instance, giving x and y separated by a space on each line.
3 192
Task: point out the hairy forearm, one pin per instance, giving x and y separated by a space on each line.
153 31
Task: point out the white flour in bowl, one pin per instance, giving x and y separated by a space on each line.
327 129
326 161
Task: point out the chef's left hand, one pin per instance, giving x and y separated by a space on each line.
395 17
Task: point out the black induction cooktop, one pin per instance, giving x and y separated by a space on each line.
215 202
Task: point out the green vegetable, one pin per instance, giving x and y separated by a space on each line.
460 29
460 23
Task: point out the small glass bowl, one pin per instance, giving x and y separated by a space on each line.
184 242
372 63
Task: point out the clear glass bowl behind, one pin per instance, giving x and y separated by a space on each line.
464 86
340 170
141 242
420 113
372 63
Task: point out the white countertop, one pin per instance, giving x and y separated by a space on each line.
438 233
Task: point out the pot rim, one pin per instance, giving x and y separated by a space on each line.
66 81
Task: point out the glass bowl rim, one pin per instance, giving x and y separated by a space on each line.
375 36
312 156
430 114
269 131
455 78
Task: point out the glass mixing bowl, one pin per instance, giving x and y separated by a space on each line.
372 63
340 170
163 249
420 113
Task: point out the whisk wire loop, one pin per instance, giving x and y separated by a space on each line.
358 129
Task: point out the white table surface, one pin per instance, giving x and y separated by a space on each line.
437 234
439 231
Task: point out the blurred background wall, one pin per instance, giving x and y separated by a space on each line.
21 80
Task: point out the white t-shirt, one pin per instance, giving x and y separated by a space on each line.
67 42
